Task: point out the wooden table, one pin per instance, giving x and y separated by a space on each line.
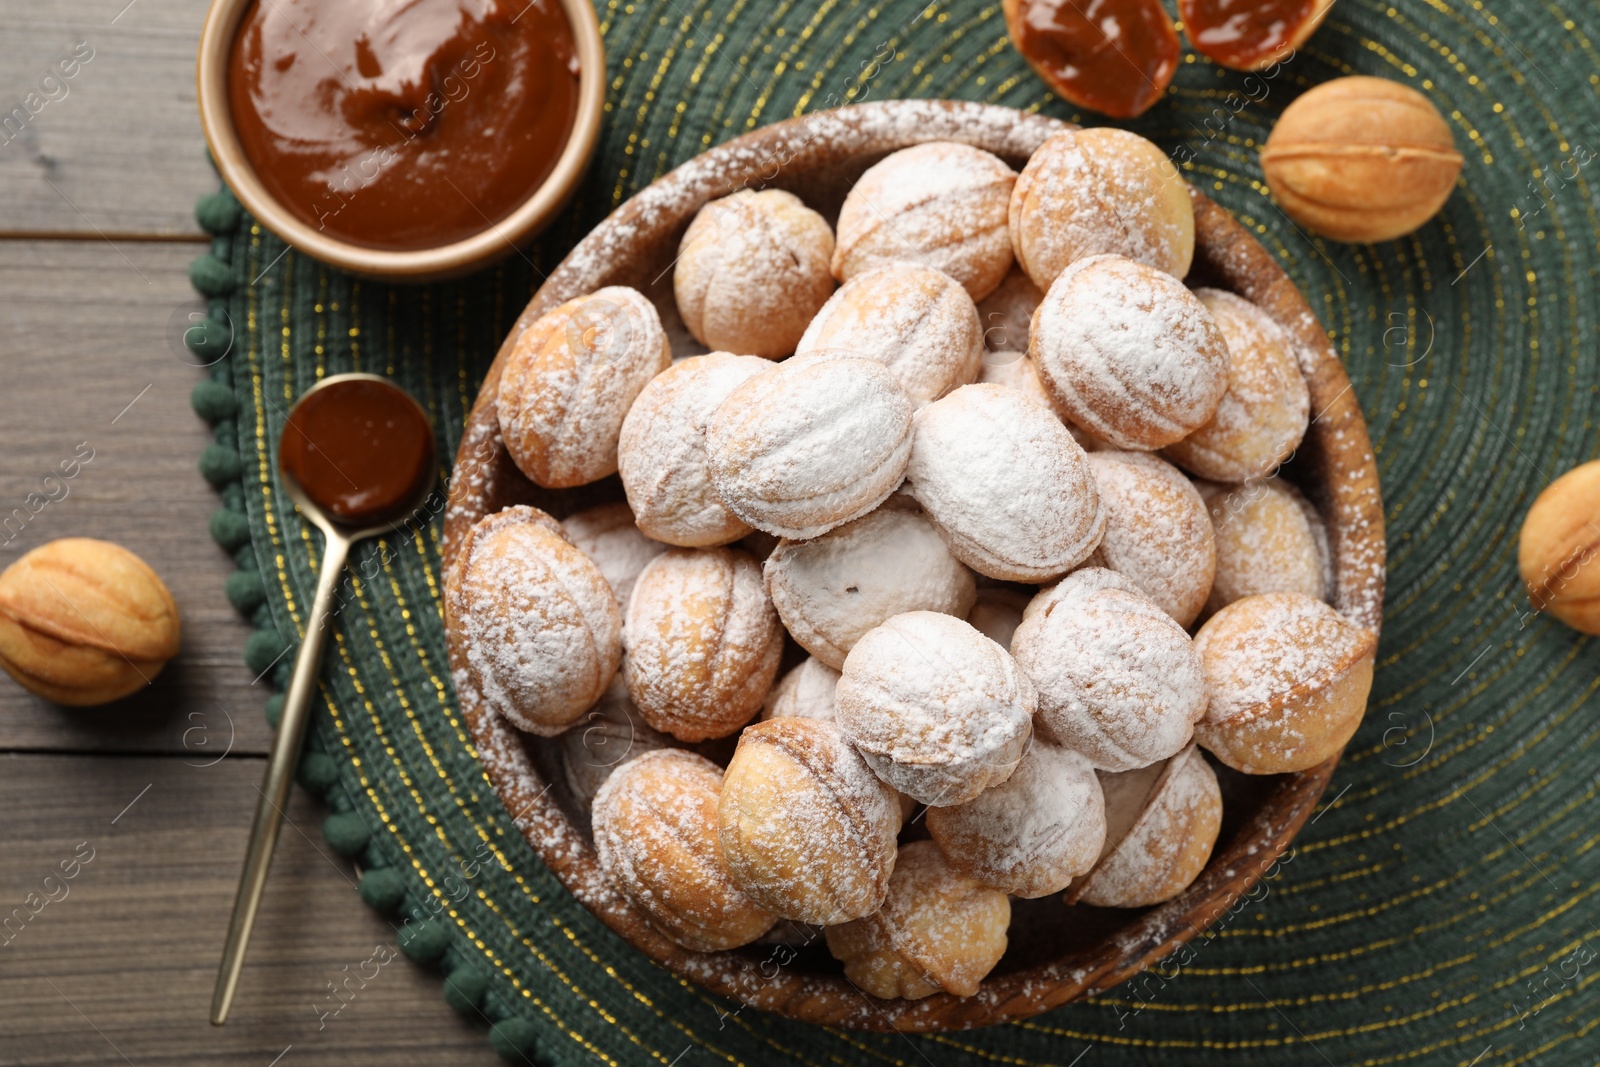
96 234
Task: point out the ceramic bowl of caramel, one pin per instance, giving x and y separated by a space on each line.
409 143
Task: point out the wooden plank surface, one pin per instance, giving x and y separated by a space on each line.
93 359
119 966
116 147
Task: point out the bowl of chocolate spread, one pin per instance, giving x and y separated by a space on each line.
409 140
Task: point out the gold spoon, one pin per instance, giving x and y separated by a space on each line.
357 459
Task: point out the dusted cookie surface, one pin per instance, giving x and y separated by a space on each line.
703 642
569 381
1118 680
1006 484
1097 191
936 709
939 930
1269 540
1266 409
1007 313
607 734
608 535
940 205
815 442
1288 677
752 270
1161 825
1158 531
1031 834
538 620
655 830
661 453
831 590
807 830
806 692
1128 353
917 321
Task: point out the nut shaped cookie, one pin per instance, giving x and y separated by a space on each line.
609 733
703 642
1128 353
807 830
1269 539
752 270
661 454
1006 484
1267 407
815 442
85 622
538 620
1007 313
1098 191
940 205
831 590
917 321
1118 680
936 709
1557 547
1158 531
569 381
1033 833
656 835
939 931
806 692
609 535
1162 822
1289 678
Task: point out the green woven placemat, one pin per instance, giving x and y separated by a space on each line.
1440 908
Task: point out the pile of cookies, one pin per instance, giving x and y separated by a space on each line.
977 497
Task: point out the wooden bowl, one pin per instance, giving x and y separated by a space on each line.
418 265
1057 953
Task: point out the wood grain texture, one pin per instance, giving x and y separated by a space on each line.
120 967
115 148
85 334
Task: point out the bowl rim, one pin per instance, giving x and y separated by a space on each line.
415 265
1351 505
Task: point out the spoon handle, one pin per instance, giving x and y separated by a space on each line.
275 786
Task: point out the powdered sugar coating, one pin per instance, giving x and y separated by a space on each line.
917 321
1007 313
817 441
939 930
662 451
806 692
608 733
538 620
1269 540
1118 680
1158 531
996 613
939 204
1005 483
831 590
807 830
703 642
1033 833
569 381
1266 409
655 831
1128 353
1097 191
938 711
752 270
608 535
1288 678
1166 846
